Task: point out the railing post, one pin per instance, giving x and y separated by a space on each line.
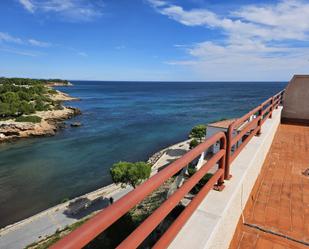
260 121
272 107
229 134
281 97
220 184
278 100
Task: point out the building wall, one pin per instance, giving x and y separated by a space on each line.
213 130
296 99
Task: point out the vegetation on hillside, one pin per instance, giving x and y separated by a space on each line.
27 81
31 118
20 96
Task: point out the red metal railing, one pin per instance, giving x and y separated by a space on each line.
238 135
243 129
100 222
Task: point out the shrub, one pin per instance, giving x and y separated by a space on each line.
25 107
193 143
191 169
4 109
201 183
52 91
9 97
40 106
24 95
32 119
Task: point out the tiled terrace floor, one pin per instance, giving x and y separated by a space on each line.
279 201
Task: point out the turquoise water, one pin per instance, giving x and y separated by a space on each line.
121 121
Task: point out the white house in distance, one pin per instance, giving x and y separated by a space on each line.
215 127
218 126
223 125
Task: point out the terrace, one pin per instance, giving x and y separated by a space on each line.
256 198
276 214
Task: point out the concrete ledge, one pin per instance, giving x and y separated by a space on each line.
213 224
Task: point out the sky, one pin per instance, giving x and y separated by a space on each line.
156 40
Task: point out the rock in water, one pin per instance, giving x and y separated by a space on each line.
76 124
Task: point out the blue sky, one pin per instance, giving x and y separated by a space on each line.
154 39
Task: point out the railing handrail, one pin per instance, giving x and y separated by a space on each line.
105 218
267 108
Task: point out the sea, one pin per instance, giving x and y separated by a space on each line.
121 121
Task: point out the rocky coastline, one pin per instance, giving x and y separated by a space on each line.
51 121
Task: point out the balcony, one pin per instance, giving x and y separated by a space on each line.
257 185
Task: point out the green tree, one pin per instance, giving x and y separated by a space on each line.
198 132
128 173
193 143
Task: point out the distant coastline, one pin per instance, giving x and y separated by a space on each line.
47 122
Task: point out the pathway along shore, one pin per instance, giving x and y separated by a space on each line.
40 226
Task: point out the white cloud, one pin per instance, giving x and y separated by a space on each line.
120 47
20 52
27 4
37 43
83 54
70 10
15 45
249 60
285 20
5 37
157 3
289 14
258 39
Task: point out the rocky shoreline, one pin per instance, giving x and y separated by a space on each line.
51 121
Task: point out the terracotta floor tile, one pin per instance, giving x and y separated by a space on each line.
264 244
281 204
277 246
284 224
248 241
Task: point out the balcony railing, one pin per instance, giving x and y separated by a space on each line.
238 135
243 129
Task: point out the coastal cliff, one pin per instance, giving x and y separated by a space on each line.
41 121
